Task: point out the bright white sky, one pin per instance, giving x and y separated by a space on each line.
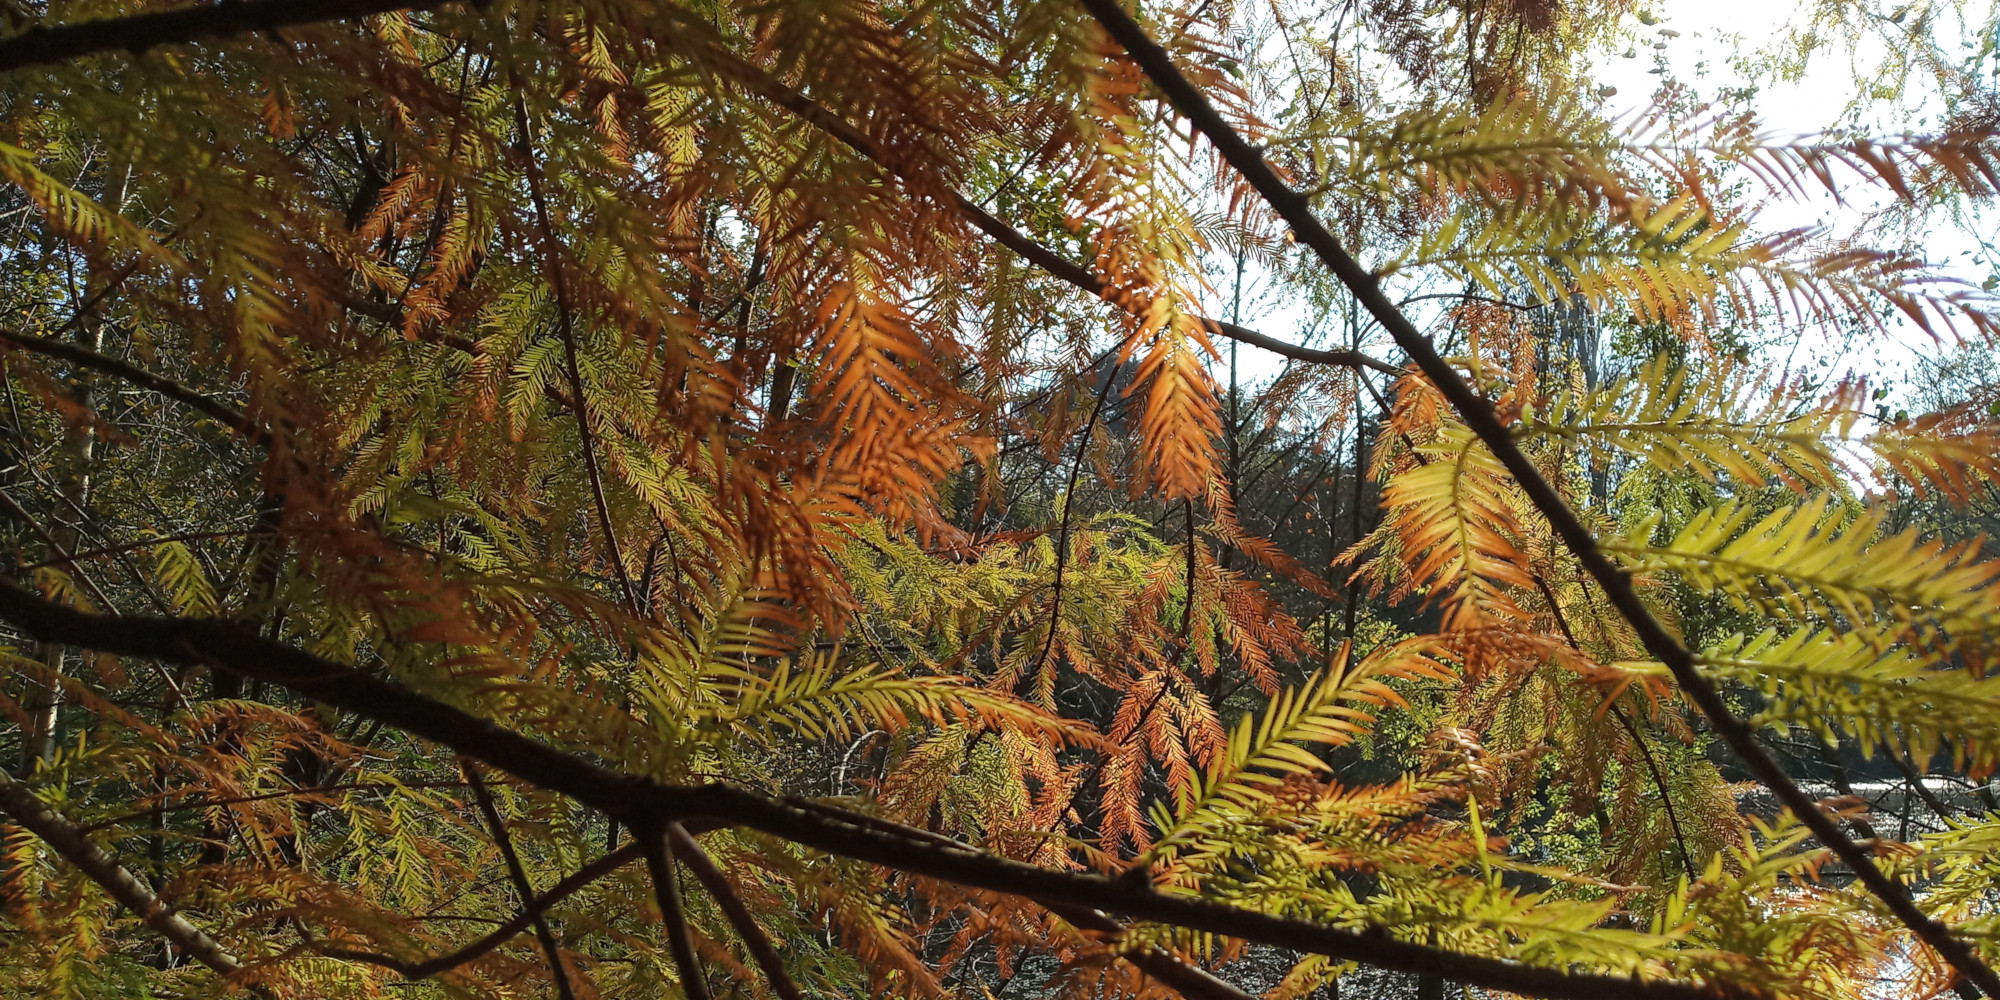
1712 35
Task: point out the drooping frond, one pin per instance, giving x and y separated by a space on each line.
1815 562
1856 683
1453 523
1726 422
1263 754
818 699
1675 260
1531 150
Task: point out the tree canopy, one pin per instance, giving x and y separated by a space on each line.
998 498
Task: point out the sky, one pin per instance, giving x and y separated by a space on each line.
1712 36
1700 44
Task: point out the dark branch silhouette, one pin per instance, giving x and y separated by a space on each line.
39 45
667 887
519 876
689 851
643 804
1013 239
501 935
208 406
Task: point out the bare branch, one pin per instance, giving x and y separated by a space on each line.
666 885
505 932
690 853
1013 239
41 45
208 406
566 328
1191 981
520 878
67 840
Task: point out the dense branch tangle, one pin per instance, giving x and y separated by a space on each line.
670 408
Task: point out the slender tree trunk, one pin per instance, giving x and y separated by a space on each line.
43 702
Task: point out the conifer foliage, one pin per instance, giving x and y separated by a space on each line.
641 498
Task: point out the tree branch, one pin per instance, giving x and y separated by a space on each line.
520 878
725 895
66 839
41 45
1048 260
190 805
1638 741
1069 504
1191 981
208 406
566 328
12 508
1296 209
505 932
666 885
644 804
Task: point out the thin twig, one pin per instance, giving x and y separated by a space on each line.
565 328
223 413
68 840
520 877
191 805
1659 782
1191 981
507 931
112 550
725 895
1645 752
1013 239
14 509
1069 503
19 513
680 940
1187 612
1916 782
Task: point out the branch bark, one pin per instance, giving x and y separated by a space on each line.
1296 209
1069 503
689 851
566 328
648 805
519 876
1074 274
666 886
66 839
1190 981
208 406
41 45
506 932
